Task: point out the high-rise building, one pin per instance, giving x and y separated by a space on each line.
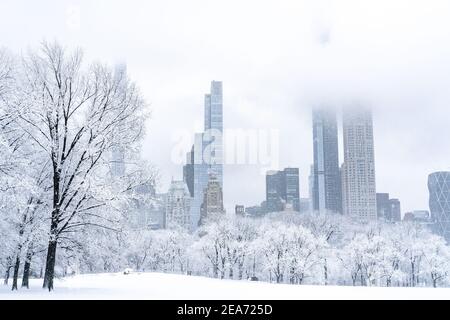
282 190
213 136
358 169
118 152
212 206
383 206
311 188
188 171
396 211
327 195
274 186
200 172
206 156
291 188
178 206
439 188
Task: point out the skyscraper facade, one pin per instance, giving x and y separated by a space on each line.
213 135
282 188
358 169
274 186
396 210
311 188
206 156
383 206
200 179
327 195
291 188
439 188
212 206
188 171
178 206
388 210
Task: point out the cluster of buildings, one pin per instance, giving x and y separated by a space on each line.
199 196
348 188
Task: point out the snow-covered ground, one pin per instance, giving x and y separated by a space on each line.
156 286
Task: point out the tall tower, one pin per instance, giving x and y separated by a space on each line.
274 190
439 188
213 135
327 195
291 190
200 179
358 170
188 171
206 157
118 151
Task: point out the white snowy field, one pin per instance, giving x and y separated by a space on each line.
157 286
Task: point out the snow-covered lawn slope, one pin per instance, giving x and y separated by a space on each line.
178 287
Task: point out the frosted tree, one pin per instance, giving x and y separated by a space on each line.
76 115
303 253
212 244
436 260
23 178
274 244
239 246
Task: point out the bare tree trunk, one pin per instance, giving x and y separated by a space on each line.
16 271
215 271
8 271
50 265
291 277
27 268
241 270
53 241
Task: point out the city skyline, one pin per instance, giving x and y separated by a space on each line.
399 69
290 144
326 149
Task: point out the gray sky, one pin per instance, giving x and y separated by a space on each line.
276 59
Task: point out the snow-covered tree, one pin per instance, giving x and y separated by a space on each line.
75 116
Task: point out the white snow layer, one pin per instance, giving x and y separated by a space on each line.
157 286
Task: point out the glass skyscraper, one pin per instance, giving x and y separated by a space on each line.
188 171
206 157
326 183
200 177
439 188
213 136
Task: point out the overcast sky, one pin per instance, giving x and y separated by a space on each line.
276 58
